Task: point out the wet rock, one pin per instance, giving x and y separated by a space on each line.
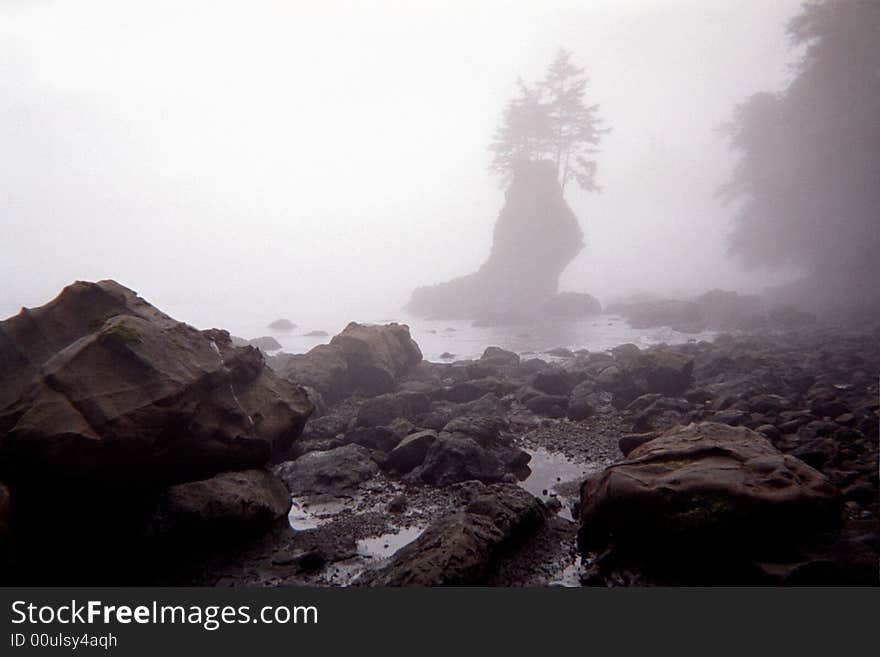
485 429
451 459
100 386
499 357
705 487
384 409
628 442
265 343
382 439
398 505
817 452
334 471
665 372
327 426
313 550
661 413
463 548
768 403
528 367
554 381
227 505
732 417
548 405
410 452
581 402
463 392
362 358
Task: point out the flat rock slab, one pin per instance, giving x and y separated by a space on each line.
101 387
705 483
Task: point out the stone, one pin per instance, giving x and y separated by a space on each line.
100 387
548 405
334 471
410 452
229 504
499 357
462 548
364 358
374 438
384 409
452 459
705 484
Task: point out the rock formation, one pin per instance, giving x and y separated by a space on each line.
135 425
705 488
365 358
536 236
98 385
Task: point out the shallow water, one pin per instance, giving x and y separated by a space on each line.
311 513
382 547
465 341
547 470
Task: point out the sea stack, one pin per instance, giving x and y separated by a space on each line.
536 236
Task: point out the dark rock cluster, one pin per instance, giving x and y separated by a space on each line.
752 459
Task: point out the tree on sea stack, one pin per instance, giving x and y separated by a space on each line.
551 121
524 134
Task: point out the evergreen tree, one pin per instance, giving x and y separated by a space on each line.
574 126
524 134
809 176
551 121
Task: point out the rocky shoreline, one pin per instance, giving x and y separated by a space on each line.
752 459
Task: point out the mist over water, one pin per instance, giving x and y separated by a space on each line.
235 163
438 339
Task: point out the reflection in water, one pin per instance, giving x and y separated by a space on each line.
547 471
382 547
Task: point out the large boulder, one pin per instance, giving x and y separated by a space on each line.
334 471
101 387
229 504
705 488
536 236
363 358
455 458
462 548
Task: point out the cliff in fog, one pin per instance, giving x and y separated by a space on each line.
536 236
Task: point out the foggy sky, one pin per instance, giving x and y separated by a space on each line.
321 159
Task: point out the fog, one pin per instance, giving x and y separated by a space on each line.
321 159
